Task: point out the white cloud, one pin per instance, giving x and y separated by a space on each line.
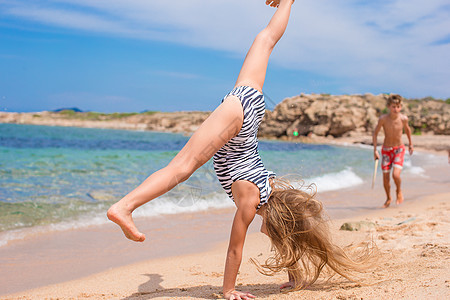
385 44
378 45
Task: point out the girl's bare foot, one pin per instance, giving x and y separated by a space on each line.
123 218
387 203
399 197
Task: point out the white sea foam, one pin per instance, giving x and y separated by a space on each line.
408 167
188 204
157 207
335 181
416 171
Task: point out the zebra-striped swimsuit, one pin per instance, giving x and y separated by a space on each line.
239 158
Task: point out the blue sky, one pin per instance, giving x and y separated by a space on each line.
130 56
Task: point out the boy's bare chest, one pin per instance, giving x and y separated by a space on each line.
393 126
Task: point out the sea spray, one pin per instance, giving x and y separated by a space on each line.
335 181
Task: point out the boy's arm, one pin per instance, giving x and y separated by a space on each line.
374 137
242 219
408 134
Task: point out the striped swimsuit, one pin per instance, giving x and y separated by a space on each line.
239 158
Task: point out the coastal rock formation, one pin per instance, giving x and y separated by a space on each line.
181 122
349 115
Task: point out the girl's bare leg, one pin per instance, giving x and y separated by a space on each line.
253 71
222 125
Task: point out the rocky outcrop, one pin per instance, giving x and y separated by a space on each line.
182 122
348 115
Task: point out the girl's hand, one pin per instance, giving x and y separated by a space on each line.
235 295
289 284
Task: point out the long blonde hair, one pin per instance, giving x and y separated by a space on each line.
298 230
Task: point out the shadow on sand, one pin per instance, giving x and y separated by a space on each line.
153 289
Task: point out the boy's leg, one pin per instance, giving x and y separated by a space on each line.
398 166
222 125
387 188
398 182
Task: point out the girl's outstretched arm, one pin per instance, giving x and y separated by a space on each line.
253 71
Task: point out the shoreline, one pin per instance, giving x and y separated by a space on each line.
76 254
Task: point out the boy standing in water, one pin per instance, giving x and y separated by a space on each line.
393 150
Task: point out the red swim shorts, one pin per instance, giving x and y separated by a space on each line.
392 156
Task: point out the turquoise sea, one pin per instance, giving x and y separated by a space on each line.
60 178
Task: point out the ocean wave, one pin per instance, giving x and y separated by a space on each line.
185 205
335 181
411 169
157 207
